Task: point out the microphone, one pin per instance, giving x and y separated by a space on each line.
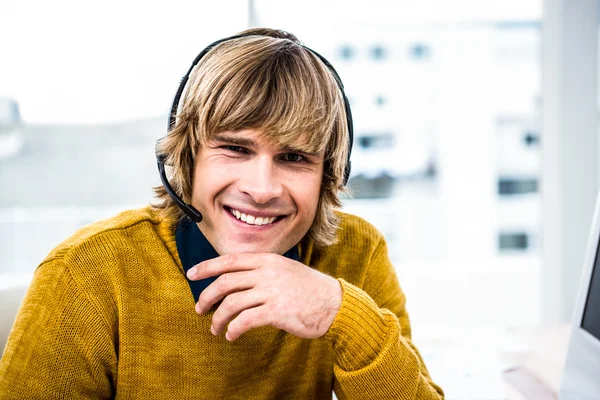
188 209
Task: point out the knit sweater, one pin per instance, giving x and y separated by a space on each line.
110 314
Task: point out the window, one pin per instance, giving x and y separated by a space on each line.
513 241
380 100
508 186
419 51
378 53
346 52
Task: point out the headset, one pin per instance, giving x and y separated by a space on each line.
190 210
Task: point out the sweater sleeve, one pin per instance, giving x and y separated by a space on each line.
60 345
374 355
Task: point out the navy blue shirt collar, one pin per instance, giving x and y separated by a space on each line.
193 248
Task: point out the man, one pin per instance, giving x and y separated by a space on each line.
263 290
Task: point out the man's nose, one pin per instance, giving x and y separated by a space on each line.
262 180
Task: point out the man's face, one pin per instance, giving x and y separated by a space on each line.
240 176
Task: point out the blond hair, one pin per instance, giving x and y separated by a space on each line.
265 80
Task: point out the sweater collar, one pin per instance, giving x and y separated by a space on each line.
193 248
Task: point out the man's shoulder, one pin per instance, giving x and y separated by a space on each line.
354 228
355 238
356 242
110 232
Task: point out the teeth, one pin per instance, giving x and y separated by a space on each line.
251 219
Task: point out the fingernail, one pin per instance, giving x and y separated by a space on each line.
227 336
212 330
191 272
198 308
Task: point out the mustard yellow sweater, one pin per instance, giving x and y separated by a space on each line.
110 314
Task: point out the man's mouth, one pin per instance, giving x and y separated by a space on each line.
250 219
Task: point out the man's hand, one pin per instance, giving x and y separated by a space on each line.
261 289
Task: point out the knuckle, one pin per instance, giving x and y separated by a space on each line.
281 307
216 320
262 317
270 273
242 321
272 259
231 259
203 267
229 303
246 320
224 281
204 298
274 292
276 308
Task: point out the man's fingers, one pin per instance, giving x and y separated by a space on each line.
246 320
227 263
233 305
224 285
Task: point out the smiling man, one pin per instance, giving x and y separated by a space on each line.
253 194
244 280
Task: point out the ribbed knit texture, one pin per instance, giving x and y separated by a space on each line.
110 314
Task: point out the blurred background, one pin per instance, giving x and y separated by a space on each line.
486 226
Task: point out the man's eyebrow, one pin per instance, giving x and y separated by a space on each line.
240 141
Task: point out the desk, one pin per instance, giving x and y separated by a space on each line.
537 372
474 361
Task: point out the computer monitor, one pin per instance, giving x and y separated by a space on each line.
581 377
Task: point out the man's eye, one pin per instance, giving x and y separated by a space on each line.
235 149
293 157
